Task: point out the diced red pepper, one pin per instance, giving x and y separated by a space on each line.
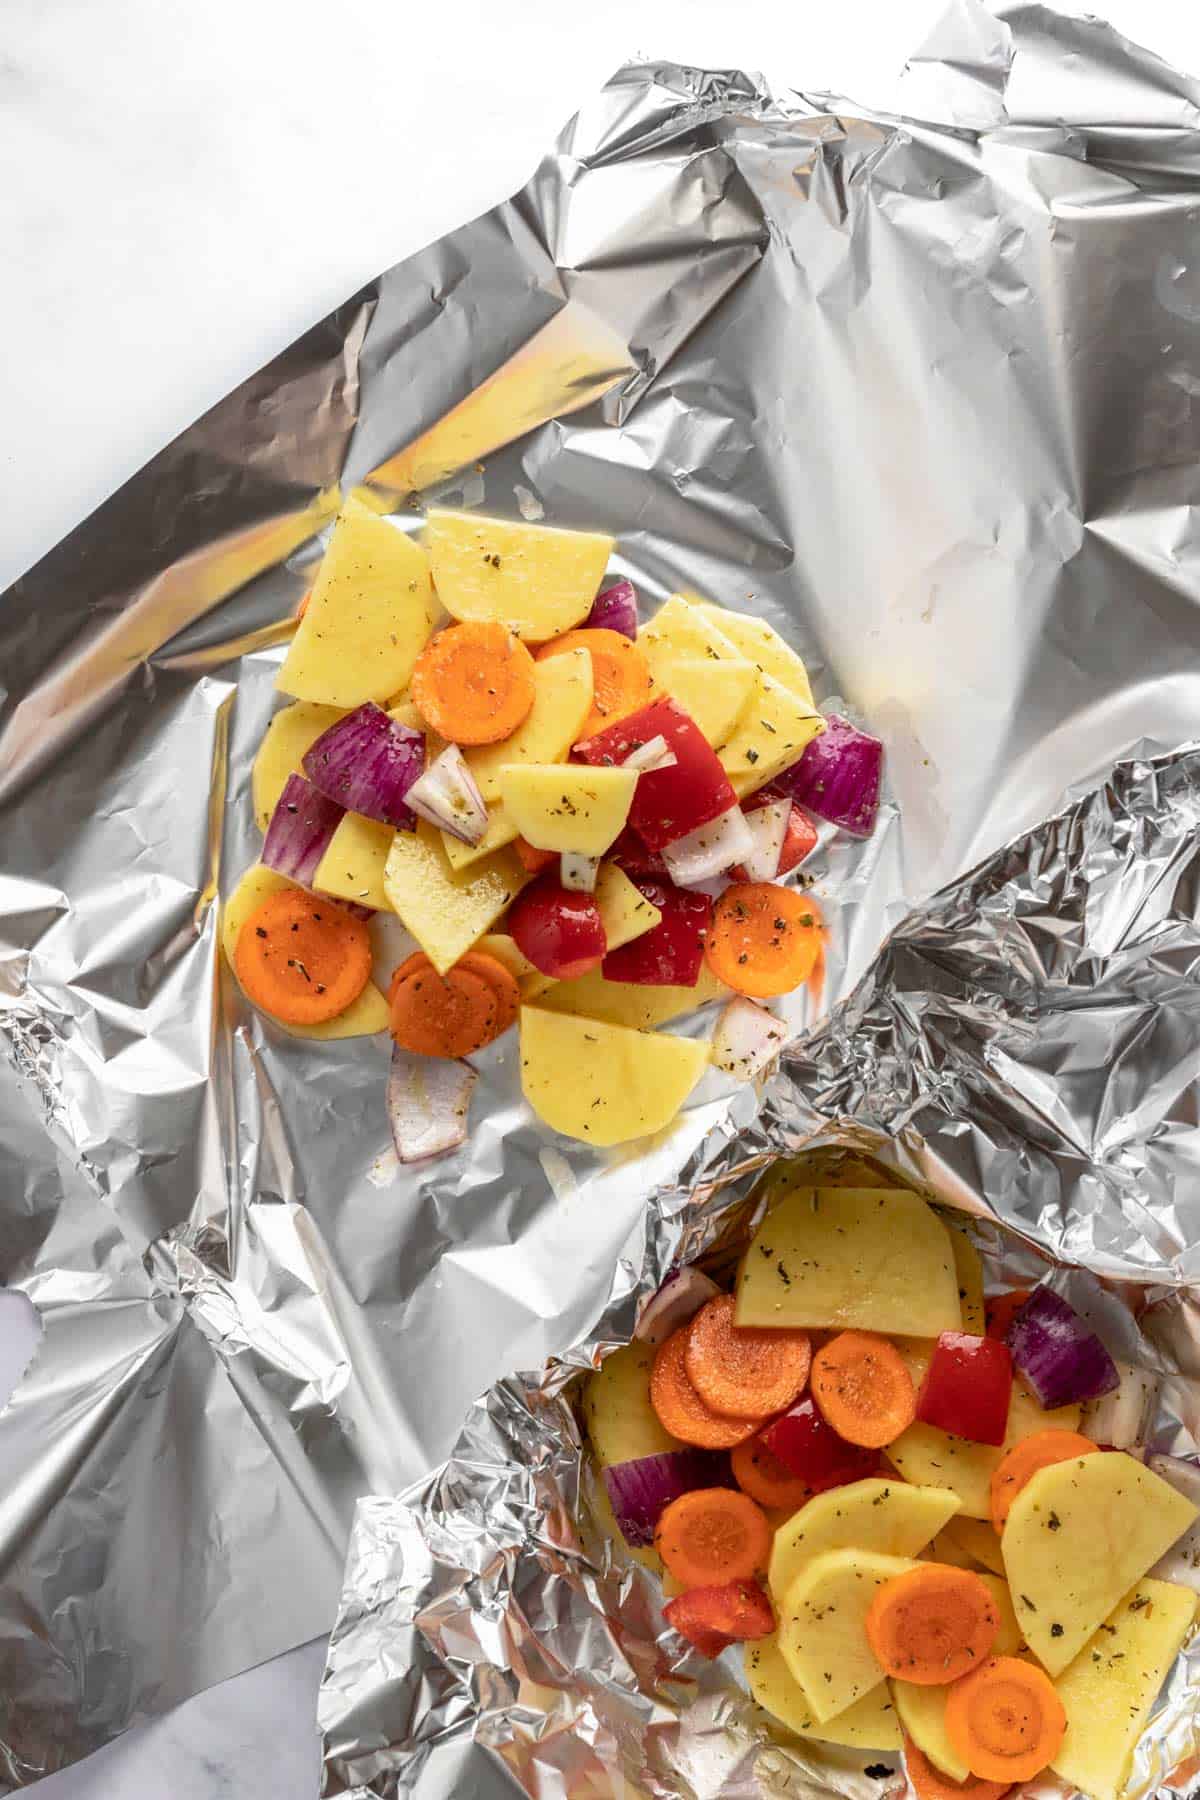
798 840
631 854
559 930
814 1452
667 803
671 953
968 1387
1001 1309
712 1618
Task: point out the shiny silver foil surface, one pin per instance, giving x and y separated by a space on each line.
917 383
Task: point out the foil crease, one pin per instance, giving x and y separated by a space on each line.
916 383
1025 1049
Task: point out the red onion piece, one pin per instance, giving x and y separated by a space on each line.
838 776
367 762
747 1037
655 753
710 849
448 796
615 609
1059 1357
427 1104
679 1299
640 1490
301 830
578 873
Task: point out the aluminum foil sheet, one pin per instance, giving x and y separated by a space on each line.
1025 1049
917 383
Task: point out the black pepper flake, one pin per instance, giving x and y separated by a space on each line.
1056 1629
1054 1523
878 1771
259 932
1027 1602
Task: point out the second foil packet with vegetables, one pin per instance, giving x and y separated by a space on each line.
585 821
914 1498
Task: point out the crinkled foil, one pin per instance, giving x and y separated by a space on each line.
917 385
1026 1049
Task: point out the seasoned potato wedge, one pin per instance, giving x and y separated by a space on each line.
822 1626
562 700
935 1458
446 912
536 579
620 1420
567 807
876 1514
873 1258
500 831
763 646
628 1003
870 1724
604 1084
771 733
969 1270
291 732
354 864
922 1715
714 694
624 910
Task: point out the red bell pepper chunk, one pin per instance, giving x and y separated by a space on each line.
1001 1309
670 954
667 803
968 1387
799 838
712 1618
813 1451
631 854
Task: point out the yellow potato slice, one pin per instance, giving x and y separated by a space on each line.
624 910
1008 1639
875 1259
362 1018
291 732
562 700
604 1084
1079 1534
870 1724
371 612
353 866
763 646
680 629
713 694
822 1626
970 1278
1110 1687
500 831
447 912
536 579
922 1715
978 1538
567 807
876 1514
629 1003
771 733
936 1459
621 1423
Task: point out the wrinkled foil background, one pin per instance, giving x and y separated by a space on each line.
918 385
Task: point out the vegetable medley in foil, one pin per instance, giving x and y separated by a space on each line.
912 384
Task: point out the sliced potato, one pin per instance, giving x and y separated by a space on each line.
363 1017
680 629
945 1549
536 579
500 831
562 700
764 647
1079 1534
771 733
822 1626
606 1519
353 866
567 807
370 614
713 694
877 1514
504 949
624 910
877 1259
1009 1640
969 1270
922 1715
628 1003
1110 1687
621 1423
291 732
978 1538
925 1454
446 912
870 1724
604 1084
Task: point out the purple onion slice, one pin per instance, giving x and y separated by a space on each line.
367 762
301 830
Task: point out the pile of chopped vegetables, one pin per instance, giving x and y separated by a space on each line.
584 821
926 1516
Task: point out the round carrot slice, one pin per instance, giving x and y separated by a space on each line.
930 1784
713 1535
863 1389
681 1410
443 1015
620 675
302 958
932 1625
490 969
743 1371
1005 1720
1020 1464
764 939
759 1473
502 982
474 683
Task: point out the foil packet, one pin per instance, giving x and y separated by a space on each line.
915 383
1024 1050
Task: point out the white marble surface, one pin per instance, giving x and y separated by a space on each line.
194 185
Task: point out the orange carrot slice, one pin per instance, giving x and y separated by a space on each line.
302 958
453 1014
620 675
474 682
932 1625
744 1372
1005 1720
302 608
532 858
1020 1464
711 1536
764 939
930 1784
759 1473
863 1388
681 1410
